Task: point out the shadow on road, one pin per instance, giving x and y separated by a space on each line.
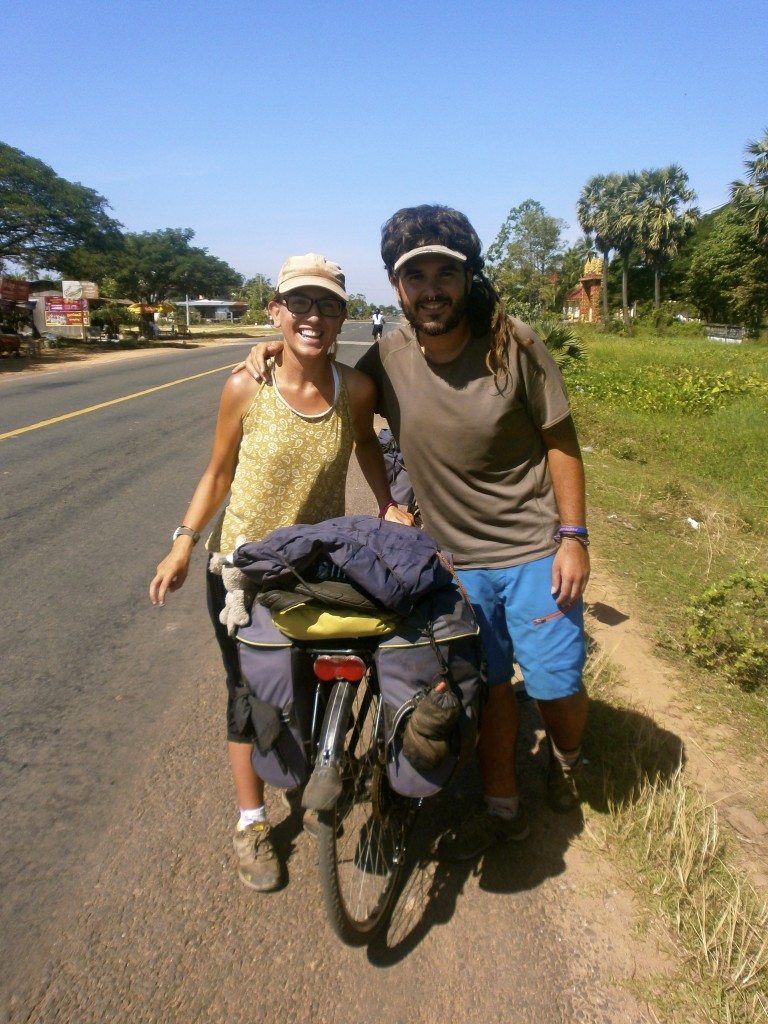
617 767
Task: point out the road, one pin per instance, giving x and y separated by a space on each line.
118 899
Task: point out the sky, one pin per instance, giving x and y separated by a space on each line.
277 129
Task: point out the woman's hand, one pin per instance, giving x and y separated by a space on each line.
256 360
172 571
396 515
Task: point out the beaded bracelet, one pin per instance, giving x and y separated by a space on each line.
384 508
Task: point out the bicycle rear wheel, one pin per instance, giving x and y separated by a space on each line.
362 840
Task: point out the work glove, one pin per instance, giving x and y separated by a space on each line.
431 728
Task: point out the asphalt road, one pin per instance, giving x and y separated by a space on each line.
118 893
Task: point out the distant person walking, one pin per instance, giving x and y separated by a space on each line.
378 322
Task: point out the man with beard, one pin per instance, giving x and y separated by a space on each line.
482 417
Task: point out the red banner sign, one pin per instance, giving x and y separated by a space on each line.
14 291
67 313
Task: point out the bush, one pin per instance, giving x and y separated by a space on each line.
730 629
561 341
664 389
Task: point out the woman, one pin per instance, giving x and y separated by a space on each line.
283 449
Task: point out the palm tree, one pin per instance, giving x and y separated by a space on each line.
590 209
751 197
618 225
659 199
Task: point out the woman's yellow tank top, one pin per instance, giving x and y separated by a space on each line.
291 468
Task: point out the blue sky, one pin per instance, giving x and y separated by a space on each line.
273 129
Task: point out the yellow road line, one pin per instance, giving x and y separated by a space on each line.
114 401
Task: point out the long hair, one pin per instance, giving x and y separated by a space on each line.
414 226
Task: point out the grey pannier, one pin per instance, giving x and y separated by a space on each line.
438 641
278 677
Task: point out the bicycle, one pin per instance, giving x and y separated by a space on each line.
362 837
333 679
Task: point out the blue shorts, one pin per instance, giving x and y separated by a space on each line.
520 621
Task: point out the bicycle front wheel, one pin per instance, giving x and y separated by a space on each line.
362 839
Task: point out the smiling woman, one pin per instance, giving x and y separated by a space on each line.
282 450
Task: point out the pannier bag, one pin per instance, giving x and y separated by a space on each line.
437 643
279 687
390 580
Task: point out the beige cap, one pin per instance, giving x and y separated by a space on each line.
311 269
429 250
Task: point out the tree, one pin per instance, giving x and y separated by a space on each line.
155 266
257 291
592 209
44 217
728 276
750 197
619 227
525 256
355 302
661 200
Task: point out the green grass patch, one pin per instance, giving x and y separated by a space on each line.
675 432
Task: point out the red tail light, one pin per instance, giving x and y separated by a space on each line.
343 666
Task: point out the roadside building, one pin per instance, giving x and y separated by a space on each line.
214 309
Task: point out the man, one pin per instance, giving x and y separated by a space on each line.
502 489
377 319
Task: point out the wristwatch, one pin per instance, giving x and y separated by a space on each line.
186 531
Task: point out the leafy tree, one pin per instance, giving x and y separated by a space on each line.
592 208
257 291
664 217
750 197
357 301
728 276
113 316
525 257
620 228
44 217
158 265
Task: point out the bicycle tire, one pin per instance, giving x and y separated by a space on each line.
362 840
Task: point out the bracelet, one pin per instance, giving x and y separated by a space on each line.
580 531
384 508
579 537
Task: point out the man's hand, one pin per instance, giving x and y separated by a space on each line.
570 573
256 360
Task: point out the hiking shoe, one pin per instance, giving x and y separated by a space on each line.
479 832
563 783
291 799
259 867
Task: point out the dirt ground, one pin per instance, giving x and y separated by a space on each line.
733 783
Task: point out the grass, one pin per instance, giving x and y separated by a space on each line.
668 840
675 432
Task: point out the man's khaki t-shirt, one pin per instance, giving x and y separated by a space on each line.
473 449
